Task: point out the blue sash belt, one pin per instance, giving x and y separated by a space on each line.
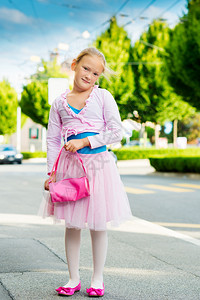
85 150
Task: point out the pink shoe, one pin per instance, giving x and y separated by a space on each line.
92 292
68 291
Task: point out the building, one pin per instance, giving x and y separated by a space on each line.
33 137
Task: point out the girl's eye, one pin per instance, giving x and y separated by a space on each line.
95 74
85 68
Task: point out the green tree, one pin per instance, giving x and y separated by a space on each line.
155 99
116 46
190 127
8 108
50 69
34 100
184 55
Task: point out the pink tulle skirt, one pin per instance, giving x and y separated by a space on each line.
107 203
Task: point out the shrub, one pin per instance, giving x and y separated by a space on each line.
176 164
27 155
141 153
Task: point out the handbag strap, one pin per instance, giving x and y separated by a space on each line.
57 160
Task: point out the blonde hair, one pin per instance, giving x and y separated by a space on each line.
95 52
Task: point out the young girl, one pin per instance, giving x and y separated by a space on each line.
88 119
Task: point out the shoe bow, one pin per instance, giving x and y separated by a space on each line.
97 291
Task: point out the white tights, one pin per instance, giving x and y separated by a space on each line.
99 251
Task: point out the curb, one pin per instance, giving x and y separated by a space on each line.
146 166
173 174
35 159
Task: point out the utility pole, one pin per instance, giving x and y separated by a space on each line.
18 146
175 128
157 132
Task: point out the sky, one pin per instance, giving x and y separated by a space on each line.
36 27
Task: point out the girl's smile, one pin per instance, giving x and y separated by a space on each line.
85 80
87 72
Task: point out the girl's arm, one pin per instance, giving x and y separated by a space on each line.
54 136
113 132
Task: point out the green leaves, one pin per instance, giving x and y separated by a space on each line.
157 101
8 108
116 45
34 100
142 82
184 56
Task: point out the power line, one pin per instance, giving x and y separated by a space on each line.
151 45
14 4
167 9
121 7
114 15
158 17
170 7
146 7
36 15
108 20
137 63
71 6
105 22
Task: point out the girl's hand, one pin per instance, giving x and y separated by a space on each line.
46 183
74 145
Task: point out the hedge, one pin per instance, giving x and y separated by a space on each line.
125 153
183 164
27 155
141 153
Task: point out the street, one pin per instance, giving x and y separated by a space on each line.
151 262
170 202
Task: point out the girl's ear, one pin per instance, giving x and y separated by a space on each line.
73 65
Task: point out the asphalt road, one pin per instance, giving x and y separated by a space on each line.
145 261
173 202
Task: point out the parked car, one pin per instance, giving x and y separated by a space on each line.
137 143
9 154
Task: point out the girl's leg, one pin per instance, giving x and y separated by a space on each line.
72 249
99 251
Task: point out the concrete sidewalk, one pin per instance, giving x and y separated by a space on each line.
145 261
143 167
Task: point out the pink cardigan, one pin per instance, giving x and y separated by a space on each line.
100 114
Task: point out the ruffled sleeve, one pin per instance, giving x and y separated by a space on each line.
54 136
112 133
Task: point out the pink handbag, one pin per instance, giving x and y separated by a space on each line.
71 189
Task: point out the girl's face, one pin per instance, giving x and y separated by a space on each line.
87 71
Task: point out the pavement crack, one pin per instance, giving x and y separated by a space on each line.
159 259
8 292
50 250
16 272
170 264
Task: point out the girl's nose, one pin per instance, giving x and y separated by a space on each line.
88 76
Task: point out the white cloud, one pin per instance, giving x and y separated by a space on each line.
139 26
14 16
72 31
154 12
